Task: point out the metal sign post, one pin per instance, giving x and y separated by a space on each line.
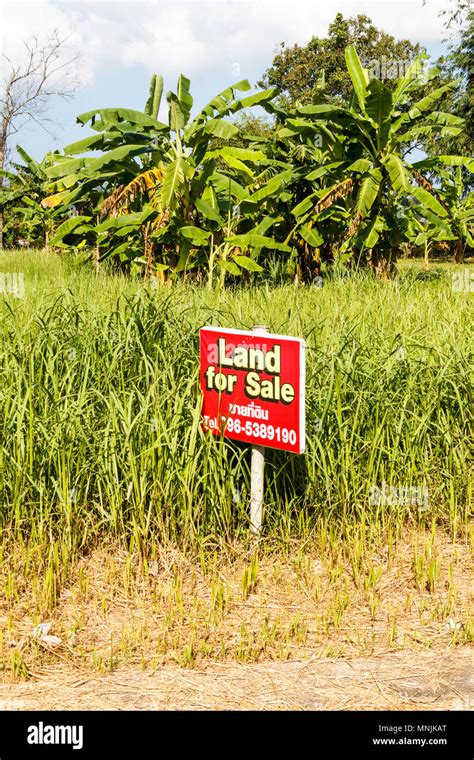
257 472
256 489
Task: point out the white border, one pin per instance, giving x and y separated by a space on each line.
252 334
302 396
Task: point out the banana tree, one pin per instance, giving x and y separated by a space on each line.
79 183
165 194
450 216
425 230
368 185
21 198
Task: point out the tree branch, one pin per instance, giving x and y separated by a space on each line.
27 88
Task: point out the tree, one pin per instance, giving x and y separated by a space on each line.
252 128
372 183
175 191
453 219
27 89
456 13
25 217
300 72
459 65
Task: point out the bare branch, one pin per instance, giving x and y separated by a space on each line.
28 88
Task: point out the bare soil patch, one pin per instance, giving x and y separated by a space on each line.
396 681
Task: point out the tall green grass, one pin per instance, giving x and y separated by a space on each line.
100 409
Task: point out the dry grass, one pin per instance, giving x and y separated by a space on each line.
233 606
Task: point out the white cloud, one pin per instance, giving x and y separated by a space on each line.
20 22
195 37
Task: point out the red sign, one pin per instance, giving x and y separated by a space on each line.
253 387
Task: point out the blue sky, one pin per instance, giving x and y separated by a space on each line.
215 43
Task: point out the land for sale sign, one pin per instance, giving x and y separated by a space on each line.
253 387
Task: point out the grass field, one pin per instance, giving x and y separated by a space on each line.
112 498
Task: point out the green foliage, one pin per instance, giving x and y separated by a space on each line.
372 189
451 218
303 73
459 65
185 177
26 218
220 193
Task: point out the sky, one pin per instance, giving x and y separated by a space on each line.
214 42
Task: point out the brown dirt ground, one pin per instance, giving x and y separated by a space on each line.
425 681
